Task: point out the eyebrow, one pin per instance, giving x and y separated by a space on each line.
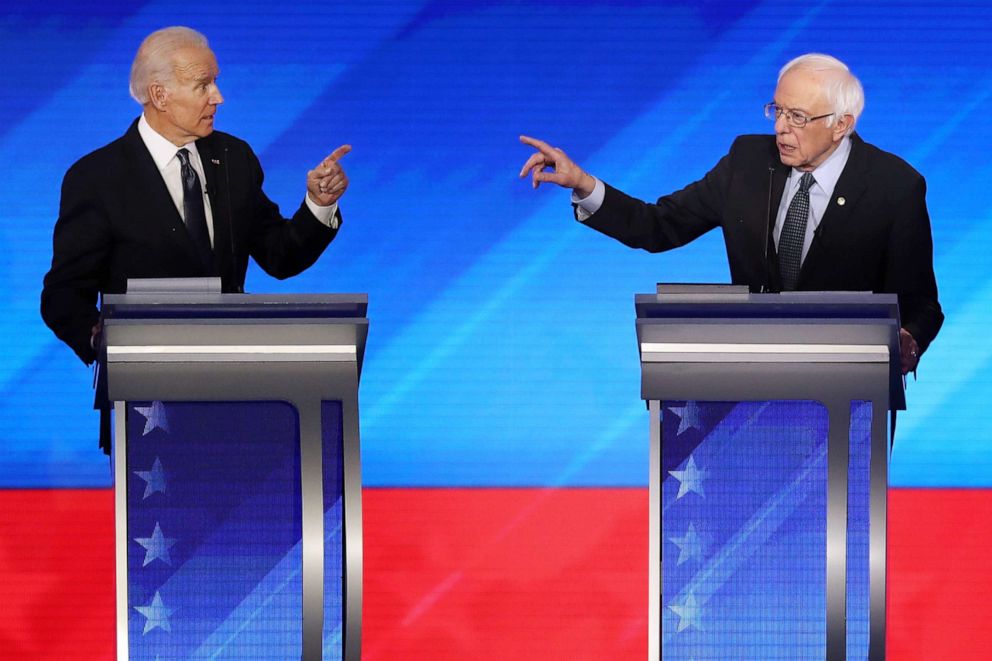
204 78
802 110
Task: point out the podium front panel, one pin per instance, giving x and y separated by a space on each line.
265 390
825 366
214 524
743 547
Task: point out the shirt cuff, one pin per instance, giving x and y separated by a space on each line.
326 215
590 204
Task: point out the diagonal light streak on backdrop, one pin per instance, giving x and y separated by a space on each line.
687 126
545 237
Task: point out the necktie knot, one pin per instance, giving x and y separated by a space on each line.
183 155
805 183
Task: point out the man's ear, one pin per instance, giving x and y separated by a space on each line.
842 126
158 94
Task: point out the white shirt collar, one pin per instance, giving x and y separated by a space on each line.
162 150
828 172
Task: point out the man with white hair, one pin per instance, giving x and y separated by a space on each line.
812 207
174 198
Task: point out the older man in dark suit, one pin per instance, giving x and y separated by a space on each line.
813 207
174 198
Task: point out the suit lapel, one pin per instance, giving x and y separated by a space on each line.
841 205
159 211
779 177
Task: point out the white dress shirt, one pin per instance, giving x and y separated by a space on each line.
826 176
164 153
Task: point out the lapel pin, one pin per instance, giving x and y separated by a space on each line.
217 162
841 201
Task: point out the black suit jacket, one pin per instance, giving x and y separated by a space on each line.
874 235
117 221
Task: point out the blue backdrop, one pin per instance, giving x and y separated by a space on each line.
502 348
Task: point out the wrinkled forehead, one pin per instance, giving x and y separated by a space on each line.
194 63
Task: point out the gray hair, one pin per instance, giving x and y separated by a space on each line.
153 61
842 90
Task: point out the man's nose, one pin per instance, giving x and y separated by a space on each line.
216 98
782 124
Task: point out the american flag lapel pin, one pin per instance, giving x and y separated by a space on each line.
215 161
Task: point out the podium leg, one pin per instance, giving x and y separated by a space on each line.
312 492
878 530
654 532
838 457
120 526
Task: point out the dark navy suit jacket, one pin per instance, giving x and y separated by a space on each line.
117 221
874 236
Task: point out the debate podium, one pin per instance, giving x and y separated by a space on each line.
768 471
237 473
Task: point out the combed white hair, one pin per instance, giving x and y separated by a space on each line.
153 61
842 91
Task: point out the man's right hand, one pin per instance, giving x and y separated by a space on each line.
565 172
327 182
909 351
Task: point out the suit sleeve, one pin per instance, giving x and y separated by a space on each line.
909 268
282 247
81 243
674 220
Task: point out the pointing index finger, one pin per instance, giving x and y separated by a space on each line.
339 152
540 145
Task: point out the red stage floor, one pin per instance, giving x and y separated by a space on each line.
493 574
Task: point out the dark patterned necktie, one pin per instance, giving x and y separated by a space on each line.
790 241
196 217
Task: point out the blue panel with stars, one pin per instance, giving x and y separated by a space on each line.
334 568
744 499
214 556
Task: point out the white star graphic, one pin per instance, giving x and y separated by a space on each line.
688 416
156 613
692 545
156 547
154 417
154 479
688 611
690 479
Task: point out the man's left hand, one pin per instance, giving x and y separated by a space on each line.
327 182
909 351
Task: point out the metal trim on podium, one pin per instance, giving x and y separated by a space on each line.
195 344
721 343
